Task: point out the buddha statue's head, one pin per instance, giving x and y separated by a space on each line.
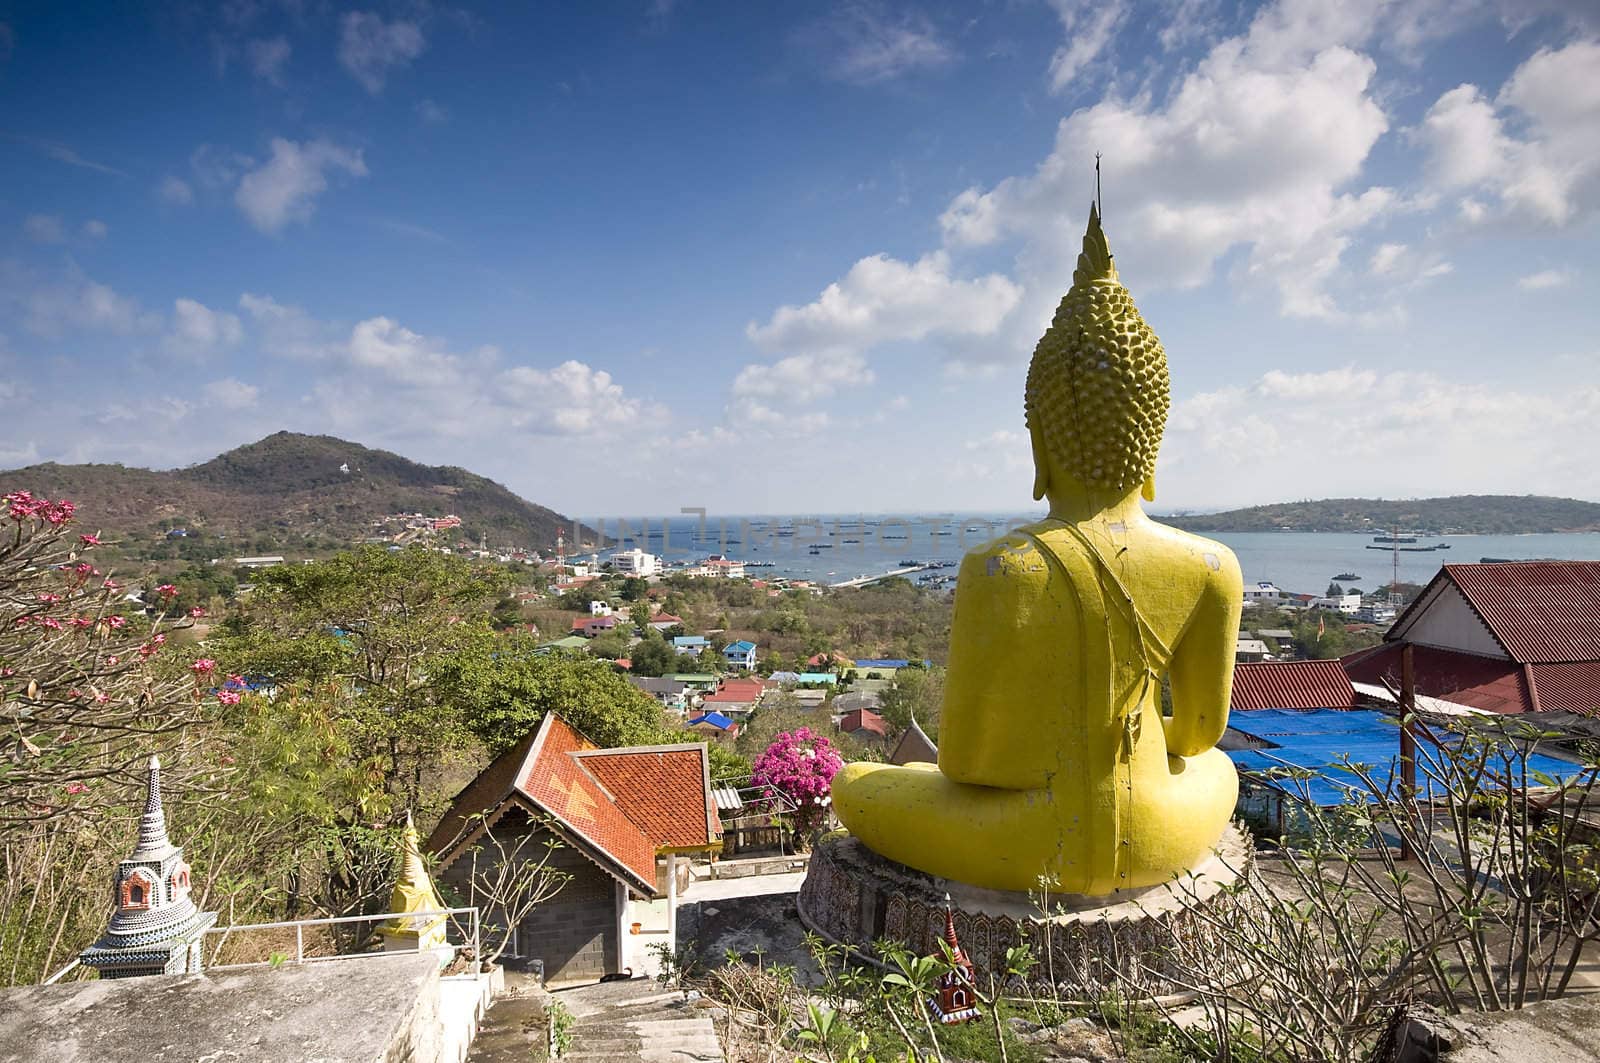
1098 391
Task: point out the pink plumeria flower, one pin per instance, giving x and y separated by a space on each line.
76 788
89 540
204 666
116 621
229 697
167 590
50 622
197 612
50 599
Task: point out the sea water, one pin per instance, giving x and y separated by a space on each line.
835 548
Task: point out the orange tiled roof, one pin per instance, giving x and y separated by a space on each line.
661 790
618 805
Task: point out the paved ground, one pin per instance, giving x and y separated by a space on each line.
748 916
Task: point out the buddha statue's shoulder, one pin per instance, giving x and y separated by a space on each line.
1195 552
1016 558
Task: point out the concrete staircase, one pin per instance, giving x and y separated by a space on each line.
639 1022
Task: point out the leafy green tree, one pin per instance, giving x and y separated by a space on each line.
609 646
639 617
504 694
634 588
653 656
917 693
381 625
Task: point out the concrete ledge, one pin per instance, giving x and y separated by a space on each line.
359 1010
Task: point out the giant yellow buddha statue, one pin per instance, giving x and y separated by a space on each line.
1056 764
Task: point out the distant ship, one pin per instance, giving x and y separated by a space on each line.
1392 539
1347 576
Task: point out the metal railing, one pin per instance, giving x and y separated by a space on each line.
473 936
68 969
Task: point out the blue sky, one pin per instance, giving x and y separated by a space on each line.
626 257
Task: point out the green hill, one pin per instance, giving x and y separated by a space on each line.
1457 514
290 489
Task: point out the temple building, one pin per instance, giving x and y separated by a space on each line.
955 998
156 928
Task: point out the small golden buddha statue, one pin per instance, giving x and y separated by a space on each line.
1056 763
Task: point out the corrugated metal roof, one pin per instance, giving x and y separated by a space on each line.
1541 611
1487 683
1567 687
1291 685
728 799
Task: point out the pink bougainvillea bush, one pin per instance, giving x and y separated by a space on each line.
800 765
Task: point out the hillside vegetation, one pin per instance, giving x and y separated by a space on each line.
290 489
1457 514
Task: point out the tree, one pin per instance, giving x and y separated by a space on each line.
1334 591
639 617
917 693
652 656
381 624
634 588
504 694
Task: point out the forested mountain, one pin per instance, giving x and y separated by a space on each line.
1457 514
290 487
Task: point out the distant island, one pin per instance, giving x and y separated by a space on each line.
294 491
1454 515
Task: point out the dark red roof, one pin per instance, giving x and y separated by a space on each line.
863 720
658 790
1566 687
1490 684
736 691
1541 611
1291 685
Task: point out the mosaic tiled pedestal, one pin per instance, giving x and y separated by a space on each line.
854 897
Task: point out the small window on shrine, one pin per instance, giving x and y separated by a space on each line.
135 894
959 998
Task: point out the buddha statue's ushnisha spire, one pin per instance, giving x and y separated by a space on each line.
1098 390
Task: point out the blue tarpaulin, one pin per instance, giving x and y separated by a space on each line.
1319 740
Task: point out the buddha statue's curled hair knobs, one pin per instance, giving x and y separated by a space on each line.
1098 390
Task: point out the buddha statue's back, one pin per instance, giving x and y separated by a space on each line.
1056 763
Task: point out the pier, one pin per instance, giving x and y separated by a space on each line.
862 581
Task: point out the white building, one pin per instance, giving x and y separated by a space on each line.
1348 604
1264 593
635 562
599 608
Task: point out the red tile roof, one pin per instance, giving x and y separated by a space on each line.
662 791
558 784
1540 611
1489 684
863 720
736 691
1291 685
666 618
623 820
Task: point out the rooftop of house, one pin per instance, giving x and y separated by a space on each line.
713 719
689 640
863 720
1259 685
611 803
1540 612
743 646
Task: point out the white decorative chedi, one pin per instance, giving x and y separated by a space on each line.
156 928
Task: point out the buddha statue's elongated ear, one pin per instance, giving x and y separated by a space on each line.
1041 464
1149 491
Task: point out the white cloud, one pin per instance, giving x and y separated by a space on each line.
1385 258
1089 27
43 228
1241 445
883 299
387 347
176 191
371 49
863 44
803 377
72 303
218 168
198 331
432 113
267 57
1532 146
231 394
95 229
571 399
285 188
1545 278
288 331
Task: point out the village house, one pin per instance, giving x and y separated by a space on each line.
734 696
714 725
692 645
622 818
590 626
1265 593
723 567
1508 638
740 654
665 621
864 724
1250 650
671 693
598 608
